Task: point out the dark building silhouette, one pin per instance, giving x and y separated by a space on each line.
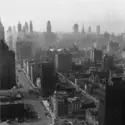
31 27
48 28
48 76
7 67
115 103
10 37
19 27
76 28
12 111
24 49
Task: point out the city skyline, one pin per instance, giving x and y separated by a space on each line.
63 14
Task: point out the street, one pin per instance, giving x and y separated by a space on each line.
32 100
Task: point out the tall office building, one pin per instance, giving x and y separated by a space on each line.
26 27
83 31
2 35
19 27
89 29
31 27
10 38
112 111
60 105
14 29
48 28
98 30
10 29
76 28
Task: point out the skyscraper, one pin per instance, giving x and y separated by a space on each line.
76 28
10 38
19 27
31 27
9 29
14 29
26 27
2 36
98 30
115 103
89 29
48 28
83 29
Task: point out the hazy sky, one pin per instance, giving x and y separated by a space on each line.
110 14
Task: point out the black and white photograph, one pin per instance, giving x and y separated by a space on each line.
62 62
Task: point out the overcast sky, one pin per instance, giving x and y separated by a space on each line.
110 14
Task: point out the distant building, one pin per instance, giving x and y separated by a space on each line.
98 30
48 28
9 38
50 37
83 30
19 27
2 35
31 27
14 29
76 28
114 107
26 27
89 29
10 29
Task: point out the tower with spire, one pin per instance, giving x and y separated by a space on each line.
2 35
48 28
31 27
